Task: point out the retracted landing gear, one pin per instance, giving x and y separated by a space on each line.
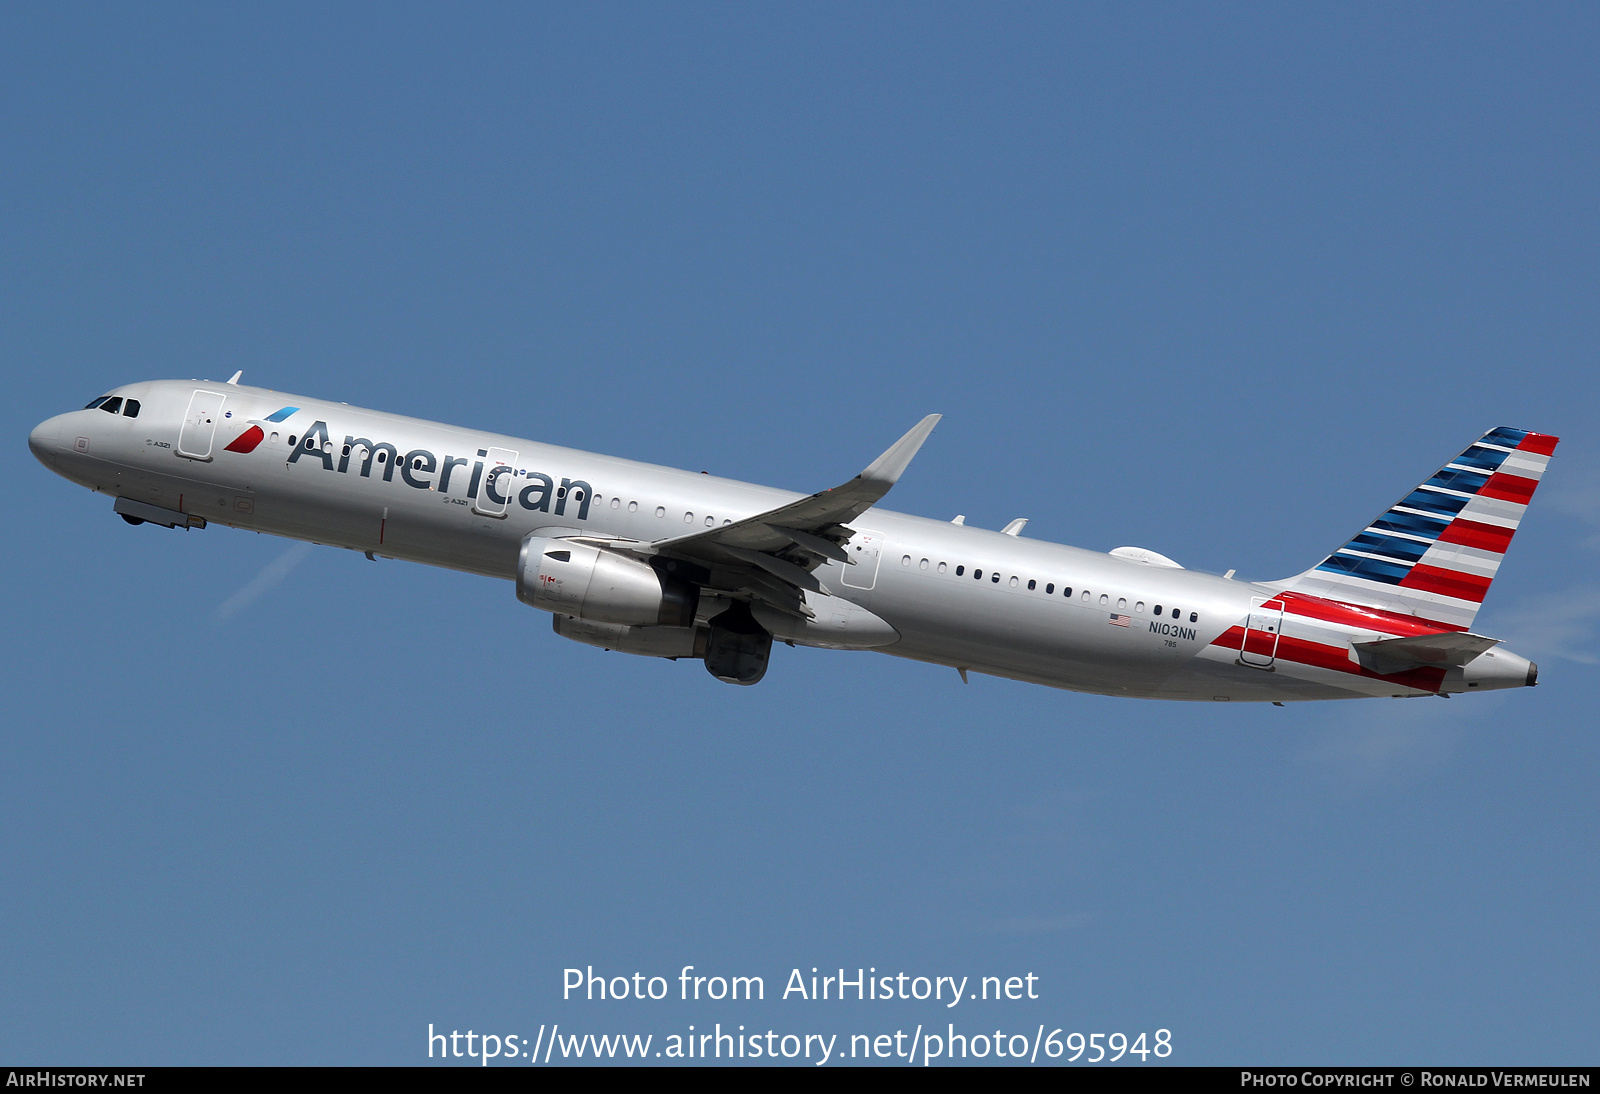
738 647
140 512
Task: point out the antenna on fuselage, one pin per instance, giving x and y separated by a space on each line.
234 379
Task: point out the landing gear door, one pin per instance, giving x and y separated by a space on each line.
200 424
1263 628
498 486
864 550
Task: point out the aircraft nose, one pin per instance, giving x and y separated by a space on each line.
44 441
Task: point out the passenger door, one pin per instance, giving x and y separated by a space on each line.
498 469
200 425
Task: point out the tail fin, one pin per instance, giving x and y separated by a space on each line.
1434 553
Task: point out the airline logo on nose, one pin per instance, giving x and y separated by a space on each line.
247 441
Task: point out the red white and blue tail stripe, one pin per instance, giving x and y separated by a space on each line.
1432 555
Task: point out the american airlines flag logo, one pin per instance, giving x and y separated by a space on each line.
1120 620
1433 554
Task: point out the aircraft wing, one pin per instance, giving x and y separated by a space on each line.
771 555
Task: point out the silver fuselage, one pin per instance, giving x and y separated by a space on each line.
922 581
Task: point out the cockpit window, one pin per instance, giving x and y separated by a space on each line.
112 405
130 409
97 402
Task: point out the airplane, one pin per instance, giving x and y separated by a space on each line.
661 562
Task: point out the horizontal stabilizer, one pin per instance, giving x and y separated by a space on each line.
1450 649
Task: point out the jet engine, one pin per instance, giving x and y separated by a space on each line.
590 583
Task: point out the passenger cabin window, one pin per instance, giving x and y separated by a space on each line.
1032 584
111 406
130 409
1194 617
1177 613
1049 589
942 567
1158 609
960 570
977 575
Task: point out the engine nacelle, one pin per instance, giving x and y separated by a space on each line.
600 586
671 642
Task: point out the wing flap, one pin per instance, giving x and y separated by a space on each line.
777 567
815 544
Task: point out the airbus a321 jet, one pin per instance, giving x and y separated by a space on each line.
665 563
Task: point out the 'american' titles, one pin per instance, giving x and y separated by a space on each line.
418 467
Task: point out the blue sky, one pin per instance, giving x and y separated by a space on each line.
1219 282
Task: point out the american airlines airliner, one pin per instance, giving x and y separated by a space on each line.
665 563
